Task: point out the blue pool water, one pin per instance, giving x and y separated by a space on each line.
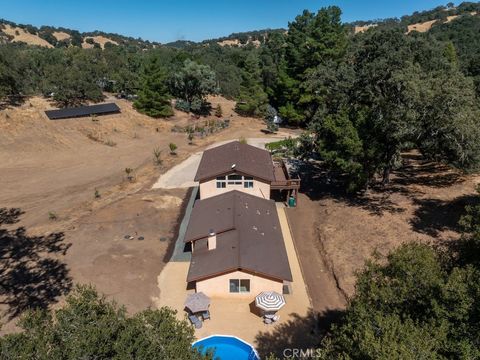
226 348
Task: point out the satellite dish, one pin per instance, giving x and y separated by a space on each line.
233 166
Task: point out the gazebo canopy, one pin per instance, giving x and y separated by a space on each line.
269 301
197 302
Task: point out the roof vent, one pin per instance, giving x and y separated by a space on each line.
212 240
254 228
258 212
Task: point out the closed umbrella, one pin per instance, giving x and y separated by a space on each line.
269 301
197 302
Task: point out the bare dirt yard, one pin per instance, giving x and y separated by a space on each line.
78 218
423 202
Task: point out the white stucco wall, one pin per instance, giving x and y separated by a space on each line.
209 189
219 286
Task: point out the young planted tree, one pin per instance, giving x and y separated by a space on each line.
129 172
190 137
173 149
218 111
153 98
157 156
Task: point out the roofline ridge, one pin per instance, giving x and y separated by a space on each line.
239 260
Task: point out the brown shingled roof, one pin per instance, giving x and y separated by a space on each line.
249 237
248 160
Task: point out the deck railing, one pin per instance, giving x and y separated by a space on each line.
288 183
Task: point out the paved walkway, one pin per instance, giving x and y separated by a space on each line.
178 253
234 316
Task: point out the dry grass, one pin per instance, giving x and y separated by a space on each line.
360 29
101 40
60 35
421 27
236 42
20 35
58 168
423 203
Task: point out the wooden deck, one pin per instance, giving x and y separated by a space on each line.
283 180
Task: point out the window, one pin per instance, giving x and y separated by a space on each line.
221 183
239 285
234 285
235 179
244 285
248 184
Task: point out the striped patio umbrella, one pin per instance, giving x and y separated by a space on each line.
197 302
269 301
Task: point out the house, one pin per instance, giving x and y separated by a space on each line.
237 246
246 168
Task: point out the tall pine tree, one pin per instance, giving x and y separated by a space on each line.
253 99
153 98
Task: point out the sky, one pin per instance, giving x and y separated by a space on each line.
169 20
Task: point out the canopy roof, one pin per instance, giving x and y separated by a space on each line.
197 302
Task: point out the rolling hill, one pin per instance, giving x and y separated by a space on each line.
49 36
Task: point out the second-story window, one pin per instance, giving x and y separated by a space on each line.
221 182
234 180
248 182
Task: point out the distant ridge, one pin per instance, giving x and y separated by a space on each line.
49 36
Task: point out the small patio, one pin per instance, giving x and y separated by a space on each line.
236 316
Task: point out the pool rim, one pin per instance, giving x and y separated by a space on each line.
229 336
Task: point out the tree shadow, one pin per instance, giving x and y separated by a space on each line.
434 216
12 101
31 275
300 332
419 171
318 183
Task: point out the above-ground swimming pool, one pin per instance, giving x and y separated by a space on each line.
227 348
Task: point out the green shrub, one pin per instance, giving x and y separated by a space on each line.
173 148
182 105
